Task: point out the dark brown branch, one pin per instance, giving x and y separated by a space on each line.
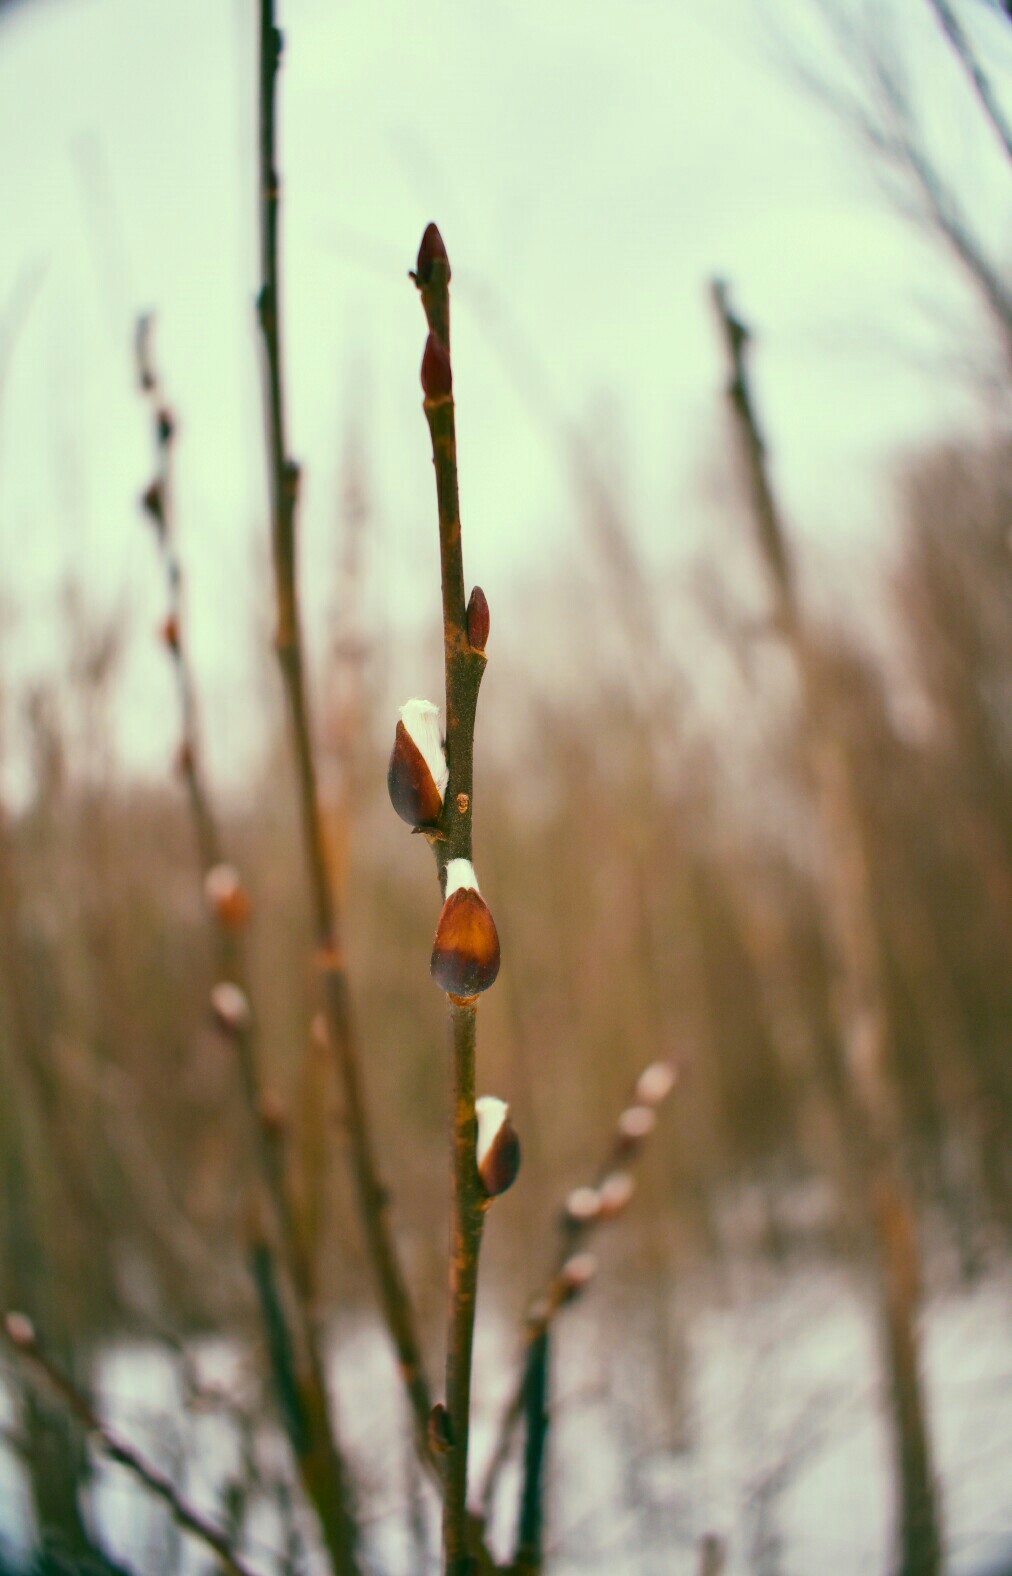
463 669
283 476
536 1418
22 1338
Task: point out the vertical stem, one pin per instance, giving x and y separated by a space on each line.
466 1219
283 478
867 1115
529 1554
463 670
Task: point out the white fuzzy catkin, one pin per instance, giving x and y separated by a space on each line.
491 1113
460 876
421 720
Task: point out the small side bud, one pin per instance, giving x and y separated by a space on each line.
583 1205
226 897
440 1437
498 1151
576 1275
616 1192
168 632
20 1331
655 1083
166 426
636 1124
273 1114
465 953
184 759
431 250
153 502
478 619
417 774
230 1007
436 373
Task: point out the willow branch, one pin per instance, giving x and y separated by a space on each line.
283 476
22 1338
586 1210
464 665
295 1372
536 1416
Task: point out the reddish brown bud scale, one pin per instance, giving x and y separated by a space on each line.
226 896
498 1146
465 953
153 503
440 1437
478 619
430 251
413 793
436 374
169 632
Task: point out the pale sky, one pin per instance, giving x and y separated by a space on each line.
589 165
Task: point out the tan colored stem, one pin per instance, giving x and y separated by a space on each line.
283 483
867 1113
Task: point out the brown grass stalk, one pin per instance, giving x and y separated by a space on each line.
867 1112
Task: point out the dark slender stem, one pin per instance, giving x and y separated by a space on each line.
185 1515
466 1219
536 1415
283 478
978 79
463 670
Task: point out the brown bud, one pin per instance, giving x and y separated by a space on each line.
413 790
465 953
478 619
184 759
20 1331
576 1274
498 1148
616 1191
166 426
226 896
583 1205
273 1114
431 251
437 377
655 1083
440 1437
168 632
635 1124
153 502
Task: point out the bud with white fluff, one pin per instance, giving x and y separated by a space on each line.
655 1083
636 1124
231 1008
615 1193
498 1149
226 896
465 952
417 774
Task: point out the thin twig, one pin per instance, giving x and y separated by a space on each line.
22 1338
283 478
951 26
298 1374
575 1230
529 1535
